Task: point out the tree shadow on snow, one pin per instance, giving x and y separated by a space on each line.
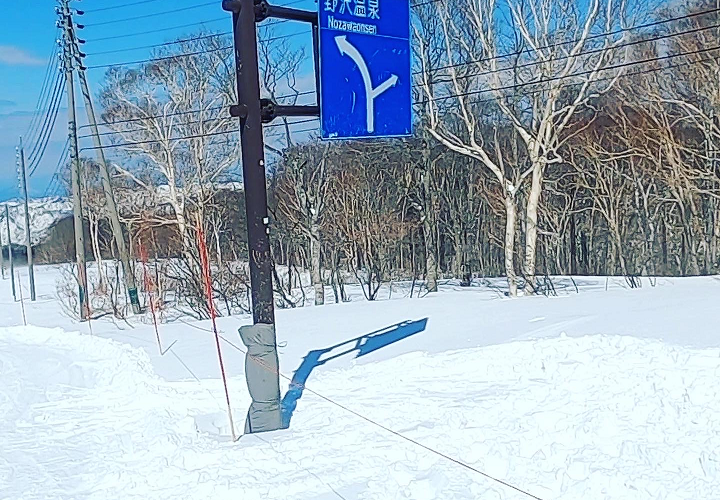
365 344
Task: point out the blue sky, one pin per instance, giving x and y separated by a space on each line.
27 38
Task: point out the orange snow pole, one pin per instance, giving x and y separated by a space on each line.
150 287
207 279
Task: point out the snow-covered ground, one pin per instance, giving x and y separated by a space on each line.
601 394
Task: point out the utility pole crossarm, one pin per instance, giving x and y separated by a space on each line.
269 109
264 9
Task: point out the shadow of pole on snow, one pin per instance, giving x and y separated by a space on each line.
365 344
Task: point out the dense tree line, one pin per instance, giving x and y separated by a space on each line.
551 138
604 170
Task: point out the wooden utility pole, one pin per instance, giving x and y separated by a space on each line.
10 253
110 202
22 174
75 169
2 256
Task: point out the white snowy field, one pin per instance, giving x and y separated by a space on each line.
601 394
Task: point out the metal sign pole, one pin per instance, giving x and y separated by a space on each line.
253 159
264 385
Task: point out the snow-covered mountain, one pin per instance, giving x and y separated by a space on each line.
44 214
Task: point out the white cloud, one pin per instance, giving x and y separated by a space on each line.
9 54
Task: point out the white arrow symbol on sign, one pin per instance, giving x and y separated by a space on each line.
346 48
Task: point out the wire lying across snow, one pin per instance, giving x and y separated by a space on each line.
374 423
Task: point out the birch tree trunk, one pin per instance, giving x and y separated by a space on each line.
429 223
531 229
510 222
315 265
431 274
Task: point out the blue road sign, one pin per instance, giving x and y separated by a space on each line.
365 78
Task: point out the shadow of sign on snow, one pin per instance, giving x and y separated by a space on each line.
364 344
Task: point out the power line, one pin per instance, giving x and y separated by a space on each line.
155 14
121 6
266 25
516 86
209 120
159 30
150 117
155 45
154 141
187 54
54 104
188 25
44 148
308 129
545 80
193 136
416 5
41 153
624 75
179 113
52 63
41 114
44 138
179 26
576 40
50 69
577 74
61 162
501 56
142 129
160 59
54 180
580 54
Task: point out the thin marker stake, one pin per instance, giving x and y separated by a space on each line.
393 432
22 301
150 287
207 278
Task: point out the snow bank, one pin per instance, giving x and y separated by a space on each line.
74 410
592 417
601 417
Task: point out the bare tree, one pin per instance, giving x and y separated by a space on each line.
302 192
539 66
168 121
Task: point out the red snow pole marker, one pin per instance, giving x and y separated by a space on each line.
150 287
207 279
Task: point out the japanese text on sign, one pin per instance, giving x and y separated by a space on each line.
369 9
